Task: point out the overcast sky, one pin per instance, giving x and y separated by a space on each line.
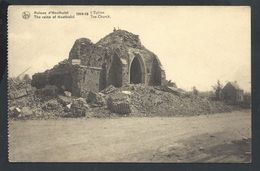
196 45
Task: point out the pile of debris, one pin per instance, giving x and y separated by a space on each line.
131 100
119 102
49 103
19 88
140 100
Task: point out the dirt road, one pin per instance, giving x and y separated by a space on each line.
221 138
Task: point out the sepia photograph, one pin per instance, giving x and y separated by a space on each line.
153 84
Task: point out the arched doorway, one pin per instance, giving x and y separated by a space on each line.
115 72
137 71
155 73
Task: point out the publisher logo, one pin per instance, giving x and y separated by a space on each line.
26 15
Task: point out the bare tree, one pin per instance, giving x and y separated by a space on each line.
195 91
217 89
26 77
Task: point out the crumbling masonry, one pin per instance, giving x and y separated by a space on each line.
117 59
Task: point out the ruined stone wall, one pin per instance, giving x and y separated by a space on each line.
163 77
39 80
102 64
61 80
85 79
102 54
59 75
125 77
88 53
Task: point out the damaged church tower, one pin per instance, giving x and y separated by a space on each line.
117 59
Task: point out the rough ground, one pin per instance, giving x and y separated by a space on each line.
224 137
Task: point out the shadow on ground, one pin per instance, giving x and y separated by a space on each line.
206 148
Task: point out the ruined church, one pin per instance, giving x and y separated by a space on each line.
118 59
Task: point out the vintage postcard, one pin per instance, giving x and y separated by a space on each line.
129 84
